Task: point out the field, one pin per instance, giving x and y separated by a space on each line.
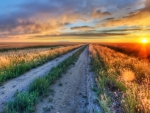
123 81
133 49
75 78
20 46
14 63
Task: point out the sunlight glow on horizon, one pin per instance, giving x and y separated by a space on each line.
144 40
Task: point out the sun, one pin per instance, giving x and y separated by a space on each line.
144 40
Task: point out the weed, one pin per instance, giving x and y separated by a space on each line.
39 85
23 102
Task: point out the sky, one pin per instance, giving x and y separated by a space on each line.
74 20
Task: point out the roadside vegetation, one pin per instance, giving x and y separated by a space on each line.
13 64
123 82
25 102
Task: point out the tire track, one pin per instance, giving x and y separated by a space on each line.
72 93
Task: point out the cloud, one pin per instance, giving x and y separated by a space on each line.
138 17
96 33
147 6
111 18
99 14
82 28
37 17
49 17
84 35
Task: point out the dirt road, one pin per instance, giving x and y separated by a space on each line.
72 93
21 83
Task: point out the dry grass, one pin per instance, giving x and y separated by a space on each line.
14 63
128 77
7 46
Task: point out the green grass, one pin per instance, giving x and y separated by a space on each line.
103 99
25 102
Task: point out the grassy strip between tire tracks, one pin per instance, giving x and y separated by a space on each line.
25 102
17 68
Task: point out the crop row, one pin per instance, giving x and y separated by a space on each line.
123 81
25 102
13 65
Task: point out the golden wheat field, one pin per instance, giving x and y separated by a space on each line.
14 63
124 80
